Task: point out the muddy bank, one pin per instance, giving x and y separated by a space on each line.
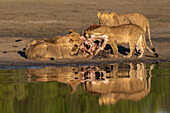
11 54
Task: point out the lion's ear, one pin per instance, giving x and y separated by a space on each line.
99 14
71 31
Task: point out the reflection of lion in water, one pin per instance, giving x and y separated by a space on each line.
112 82
60 74
113 19
128 33
57 47
124 84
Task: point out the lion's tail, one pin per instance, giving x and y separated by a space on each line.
149 35
144 41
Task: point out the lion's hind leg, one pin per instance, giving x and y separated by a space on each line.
142 52
141 46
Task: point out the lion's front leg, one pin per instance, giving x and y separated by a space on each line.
114 47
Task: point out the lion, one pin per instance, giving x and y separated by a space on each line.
54 48
130 34
113 19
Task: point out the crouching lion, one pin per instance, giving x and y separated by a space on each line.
113 19
128 33
54 48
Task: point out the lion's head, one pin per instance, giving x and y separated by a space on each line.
106 18
74 40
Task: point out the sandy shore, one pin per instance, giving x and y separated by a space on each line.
20 22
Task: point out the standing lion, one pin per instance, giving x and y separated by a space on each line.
113 19
130 34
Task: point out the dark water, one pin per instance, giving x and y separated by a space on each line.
106 88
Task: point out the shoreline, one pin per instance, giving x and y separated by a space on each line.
70 62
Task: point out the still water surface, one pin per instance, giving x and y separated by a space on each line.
106 88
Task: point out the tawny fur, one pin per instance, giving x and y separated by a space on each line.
55 48
128 33
113 19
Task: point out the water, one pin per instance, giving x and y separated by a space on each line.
106 88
